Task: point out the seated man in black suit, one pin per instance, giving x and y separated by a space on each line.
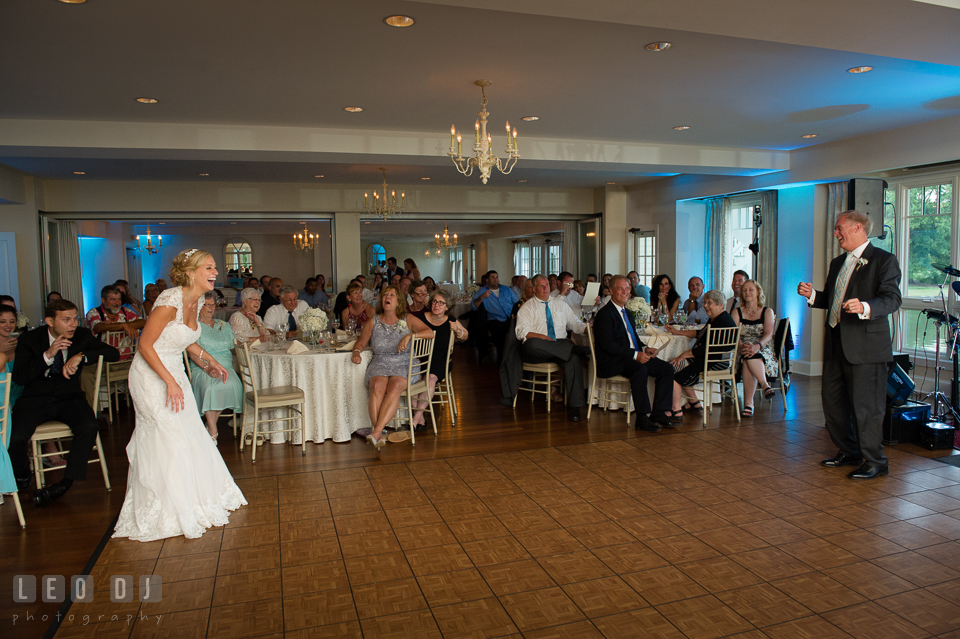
48 364
621 352
542 324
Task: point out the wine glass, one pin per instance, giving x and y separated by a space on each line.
351 326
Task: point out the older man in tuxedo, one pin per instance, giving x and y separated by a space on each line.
862 290
48 363
620 351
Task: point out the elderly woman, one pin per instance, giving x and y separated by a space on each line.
389 333
245 323
663 295
437 317
215 394
757 358
150 294
689 364
357 310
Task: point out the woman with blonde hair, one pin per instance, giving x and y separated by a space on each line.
177 483
757 359
389 333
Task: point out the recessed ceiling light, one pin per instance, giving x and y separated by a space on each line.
424 178
203 174
809 135
859 69
530 118
366 222
318 176
656 47
521 180
233 222
353 109
73 1
79 172
147 100
161 222
682 127
399 21
611 182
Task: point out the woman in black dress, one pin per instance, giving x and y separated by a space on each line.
690 362
436 315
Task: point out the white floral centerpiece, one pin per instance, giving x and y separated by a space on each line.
314 320
640 309
22 321
472 290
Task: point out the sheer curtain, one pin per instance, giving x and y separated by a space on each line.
716 248
767 262
66 274
836 204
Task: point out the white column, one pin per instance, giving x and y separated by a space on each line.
346 246
614 227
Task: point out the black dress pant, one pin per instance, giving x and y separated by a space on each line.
498 333
73 410
568 356
638 373
854 401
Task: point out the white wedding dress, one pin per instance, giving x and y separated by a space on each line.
178 483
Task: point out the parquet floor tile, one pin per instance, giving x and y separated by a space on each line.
419 624
870 620
540 608
478 619
704 618
818 592
763 605
646 622
388 598
246 586
603 597
318 609
518 576
447 588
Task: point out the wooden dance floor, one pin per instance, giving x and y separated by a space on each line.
522 524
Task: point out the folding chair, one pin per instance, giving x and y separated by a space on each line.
5 385
722 352
443 394
621 397
421 354
289 397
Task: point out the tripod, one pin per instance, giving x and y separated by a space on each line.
938 396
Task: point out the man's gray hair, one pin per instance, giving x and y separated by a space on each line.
715 296
288 289
249 293
619 277
695 277
538 277
860 218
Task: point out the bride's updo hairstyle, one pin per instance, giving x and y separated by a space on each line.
186 262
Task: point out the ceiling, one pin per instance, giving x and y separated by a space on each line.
254 92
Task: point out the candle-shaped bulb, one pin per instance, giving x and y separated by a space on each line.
508 127
476 127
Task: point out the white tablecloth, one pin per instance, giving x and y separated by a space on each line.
460 308
336 397
225 313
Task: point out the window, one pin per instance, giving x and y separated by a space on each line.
470 275
740 235
521 259
553 257
645 255
928 218
376 255
536 261
238 256
889 223
456 265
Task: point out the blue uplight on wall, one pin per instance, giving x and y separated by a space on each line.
91 278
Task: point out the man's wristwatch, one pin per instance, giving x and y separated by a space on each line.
82 357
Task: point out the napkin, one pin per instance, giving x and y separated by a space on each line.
297 347
656 341
348 346
255 342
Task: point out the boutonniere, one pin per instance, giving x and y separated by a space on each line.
862 262
402 324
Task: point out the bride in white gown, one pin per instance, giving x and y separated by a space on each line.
178 483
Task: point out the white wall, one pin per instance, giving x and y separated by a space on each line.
21 219
691 246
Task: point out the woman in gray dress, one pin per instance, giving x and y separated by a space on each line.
388 333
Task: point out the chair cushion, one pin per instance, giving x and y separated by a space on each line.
548 367
52 430
278 394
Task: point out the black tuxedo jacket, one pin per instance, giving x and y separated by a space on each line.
30 369
614 350
878 284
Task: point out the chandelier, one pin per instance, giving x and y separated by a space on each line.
383 206
305 241
443 241
150 248
484 158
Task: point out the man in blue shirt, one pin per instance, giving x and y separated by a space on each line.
640 289
497 302
311 294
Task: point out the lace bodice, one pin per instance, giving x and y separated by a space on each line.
176 336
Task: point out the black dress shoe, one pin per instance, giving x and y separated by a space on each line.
842 459
23 482
869 471
46 496
574 415
507 401
658 417
644 423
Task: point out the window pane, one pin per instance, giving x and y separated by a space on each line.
930 200
929 244
922 335
946 198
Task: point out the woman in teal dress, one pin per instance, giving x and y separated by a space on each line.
215 395
8 322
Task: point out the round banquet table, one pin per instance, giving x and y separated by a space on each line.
335 395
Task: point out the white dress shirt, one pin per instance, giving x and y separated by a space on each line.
278 314
698 313
572 298
865 315
532 318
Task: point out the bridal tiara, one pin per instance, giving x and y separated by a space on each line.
189 253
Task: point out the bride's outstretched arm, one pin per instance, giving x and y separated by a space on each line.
156 322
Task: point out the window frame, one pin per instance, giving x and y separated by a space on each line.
227 254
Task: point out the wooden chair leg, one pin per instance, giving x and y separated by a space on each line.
103 464
16 503
37 464
549 391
